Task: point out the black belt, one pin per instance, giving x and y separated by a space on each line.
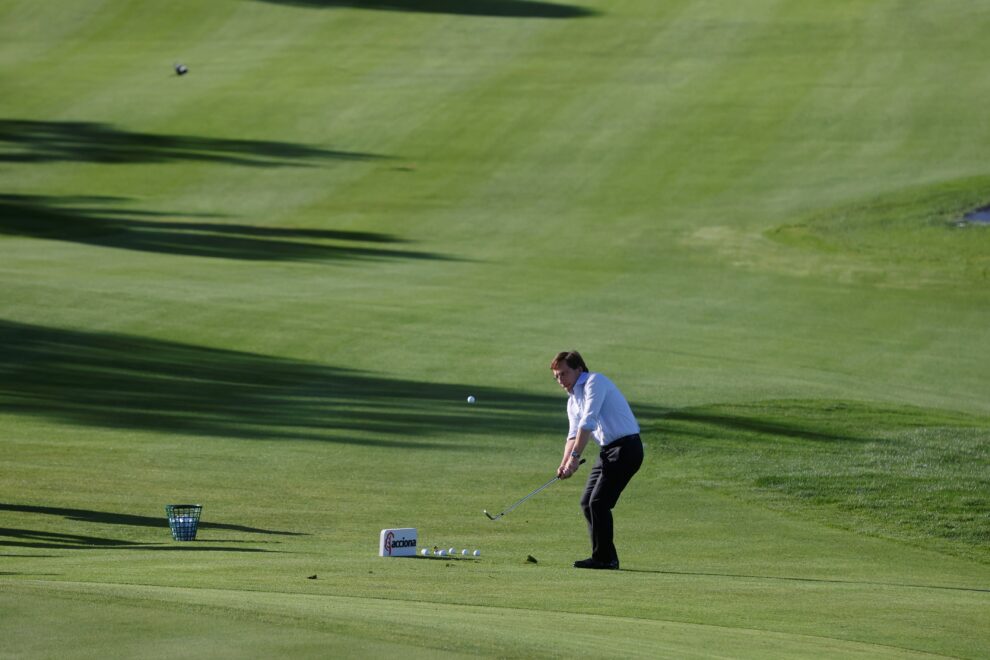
621 441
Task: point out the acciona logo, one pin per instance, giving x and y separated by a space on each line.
389 540
397 542
392 543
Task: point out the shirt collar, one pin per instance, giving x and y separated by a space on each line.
581 380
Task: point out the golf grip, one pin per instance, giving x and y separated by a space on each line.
581 462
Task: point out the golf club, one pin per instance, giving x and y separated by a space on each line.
491 517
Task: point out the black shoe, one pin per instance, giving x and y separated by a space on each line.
600 565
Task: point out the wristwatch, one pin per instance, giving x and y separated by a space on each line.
574 454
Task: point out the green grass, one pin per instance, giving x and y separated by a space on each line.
918 236
904 473
269 285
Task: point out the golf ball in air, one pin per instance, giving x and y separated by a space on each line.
476 553
471 399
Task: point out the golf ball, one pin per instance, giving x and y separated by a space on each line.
452 551
442 553
471 399
476 553
464 551
424 552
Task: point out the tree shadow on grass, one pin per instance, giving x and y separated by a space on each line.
820 421
95 221
127 519
490 8
32 141
705 423
801 421
30 538
118 381
27 574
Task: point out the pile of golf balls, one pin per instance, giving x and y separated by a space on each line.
444 552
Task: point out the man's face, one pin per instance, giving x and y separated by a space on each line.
566 376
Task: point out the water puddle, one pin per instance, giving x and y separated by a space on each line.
979 216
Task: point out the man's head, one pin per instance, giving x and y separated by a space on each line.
567 366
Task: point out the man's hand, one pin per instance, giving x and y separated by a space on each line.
568 467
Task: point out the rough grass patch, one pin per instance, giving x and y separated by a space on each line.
896 471
920 227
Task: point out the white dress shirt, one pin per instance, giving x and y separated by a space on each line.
596 404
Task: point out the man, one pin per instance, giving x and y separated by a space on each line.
597 410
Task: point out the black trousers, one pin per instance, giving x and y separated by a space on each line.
616 465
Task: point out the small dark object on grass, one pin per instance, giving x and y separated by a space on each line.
531 559
181 69
311 577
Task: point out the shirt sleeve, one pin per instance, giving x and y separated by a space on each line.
594 398
572 418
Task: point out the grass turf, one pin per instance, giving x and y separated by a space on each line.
269 285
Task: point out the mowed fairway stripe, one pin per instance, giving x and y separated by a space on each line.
507 632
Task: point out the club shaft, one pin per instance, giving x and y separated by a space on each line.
531 494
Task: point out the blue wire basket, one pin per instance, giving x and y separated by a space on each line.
183 520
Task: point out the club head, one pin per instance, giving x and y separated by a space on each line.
490 516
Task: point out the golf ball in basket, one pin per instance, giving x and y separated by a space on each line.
471 399
476 553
